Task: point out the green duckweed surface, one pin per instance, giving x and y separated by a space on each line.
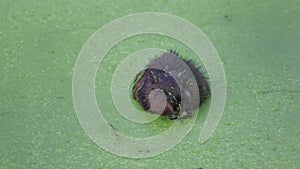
258 43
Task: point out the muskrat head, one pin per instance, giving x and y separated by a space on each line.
158 87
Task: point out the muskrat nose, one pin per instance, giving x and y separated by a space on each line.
158 101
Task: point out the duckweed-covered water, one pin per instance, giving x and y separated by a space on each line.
258 43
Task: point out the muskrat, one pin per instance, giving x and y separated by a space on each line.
170 86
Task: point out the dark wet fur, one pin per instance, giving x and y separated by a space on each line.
157 79
203 86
